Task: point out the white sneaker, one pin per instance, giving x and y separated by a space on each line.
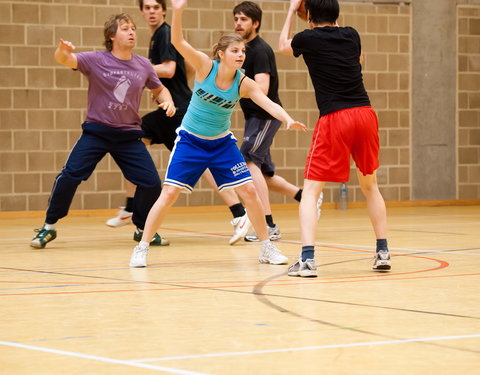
319 206
241 225
270 254
381 261
303 269
139 256
273 235
123 218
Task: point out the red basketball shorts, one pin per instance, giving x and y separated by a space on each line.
351 131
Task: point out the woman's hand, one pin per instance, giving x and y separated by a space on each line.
179 4
294 5
296 125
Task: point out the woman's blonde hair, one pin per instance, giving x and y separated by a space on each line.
224 42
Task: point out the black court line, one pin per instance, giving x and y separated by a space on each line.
263 298
255 291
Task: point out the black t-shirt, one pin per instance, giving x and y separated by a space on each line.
160 50
332 55
260 59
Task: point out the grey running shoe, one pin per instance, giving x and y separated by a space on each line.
273 235
241 225
270 254
381 261
303 269
43 237
156 240
139 256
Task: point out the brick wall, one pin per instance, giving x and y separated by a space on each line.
42 104
469 102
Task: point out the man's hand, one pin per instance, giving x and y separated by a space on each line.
64 54
169 108
65 46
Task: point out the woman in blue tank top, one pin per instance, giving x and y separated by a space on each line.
204 138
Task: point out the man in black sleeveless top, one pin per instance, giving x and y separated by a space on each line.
260 126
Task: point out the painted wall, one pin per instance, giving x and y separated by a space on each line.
42 104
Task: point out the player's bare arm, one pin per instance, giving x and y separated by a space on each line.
199 60
166 69
263 80
164 99
250 89
64 54
285 40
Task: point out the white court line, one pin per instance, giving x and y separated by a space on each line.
101 359
283 350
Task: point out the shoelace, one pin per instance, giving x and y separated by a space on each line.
141 250
270 249
40 230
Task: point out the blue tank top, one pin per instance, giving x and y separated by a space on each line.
210 108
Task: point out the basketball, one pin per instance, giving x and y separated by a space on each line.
302 12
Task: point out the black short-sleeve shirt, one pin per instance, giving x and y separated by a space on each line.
260 59
332 55
161 49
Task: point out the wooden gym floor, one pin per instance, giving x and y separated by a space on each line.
203 307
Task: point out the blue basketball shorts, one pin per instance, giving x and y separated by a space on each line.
192 155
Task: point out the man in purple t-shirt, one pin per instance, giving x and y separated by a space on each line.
117 78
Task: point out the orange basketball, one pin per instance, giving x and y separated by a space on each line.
302 12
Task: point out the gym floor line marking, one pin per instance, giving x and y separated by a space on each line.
222 287
326 247
319 347
102 359
182 286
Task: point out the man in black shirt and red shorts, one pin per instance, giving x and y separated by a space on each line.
347 124
260 126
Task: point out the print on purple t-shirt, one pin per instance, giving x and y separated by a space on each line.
115 87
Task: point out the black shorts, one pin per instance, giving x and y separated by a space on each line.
160 128
257 139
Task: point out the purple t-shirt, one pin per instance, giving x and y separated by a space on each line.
115 87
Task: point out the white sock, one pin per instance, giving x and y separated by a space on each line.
144 244
49 226
264 243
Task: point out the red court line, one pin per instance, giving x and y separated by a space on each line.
377 277
443 264
176 262
226 286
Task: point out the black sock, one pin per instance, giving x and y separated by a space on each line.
382 244
308 252
237 210
129 205
270 222
298 196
